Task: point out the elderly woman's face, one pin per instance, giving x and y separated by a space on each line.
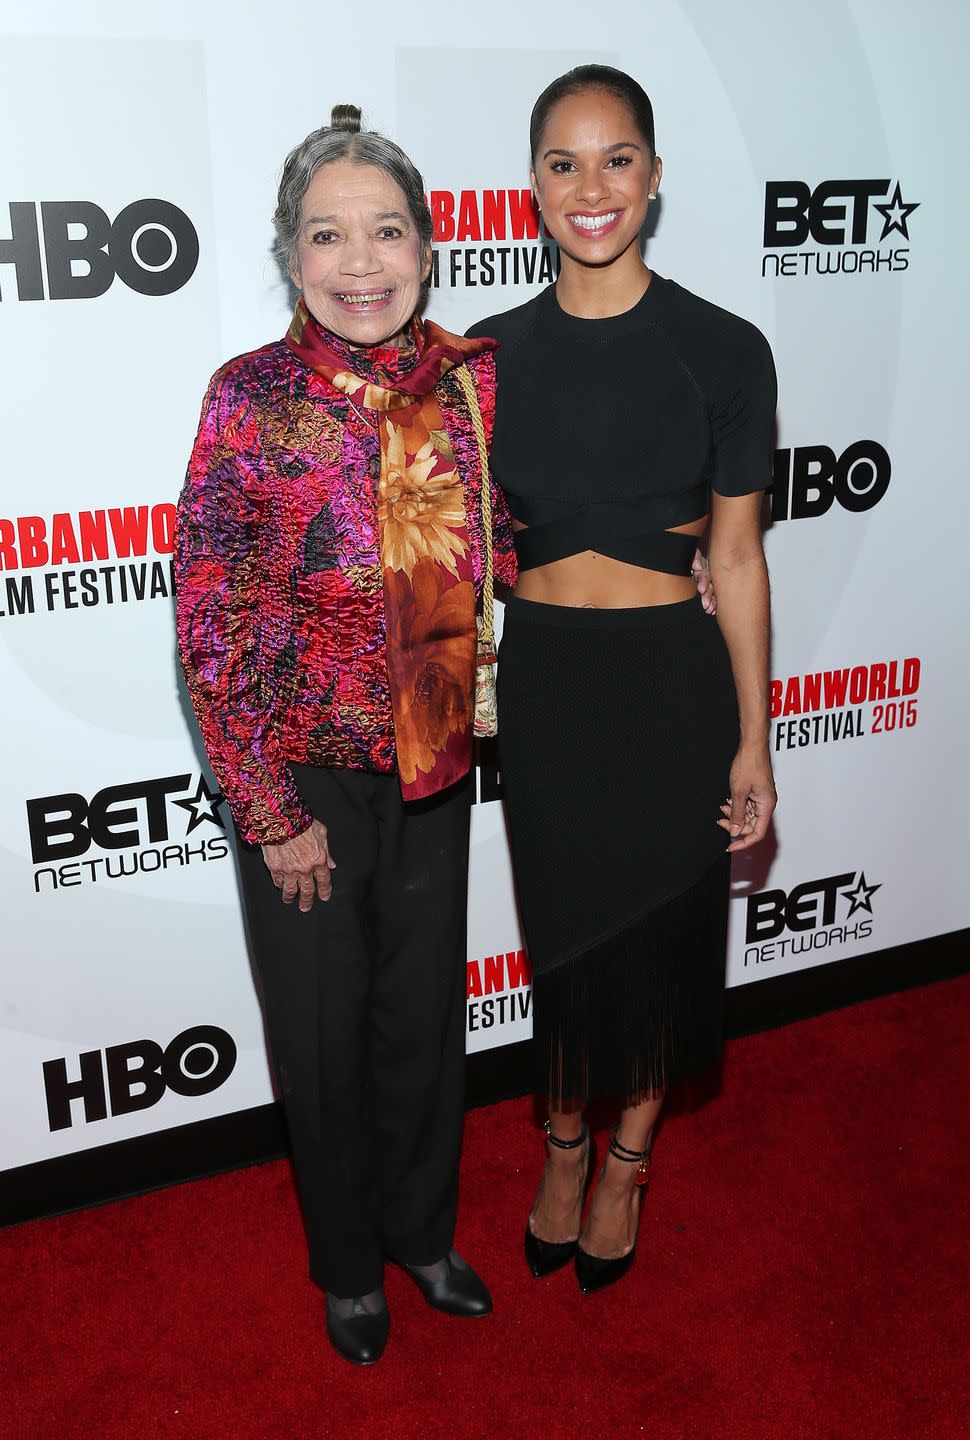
359 259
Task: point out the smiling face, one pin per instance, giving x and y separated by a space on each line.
592 177
359 260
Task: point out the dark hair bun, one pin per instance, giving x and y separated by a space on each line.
585 78
345 117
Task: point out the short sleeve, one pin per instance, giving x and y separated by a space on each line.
743 419
483 330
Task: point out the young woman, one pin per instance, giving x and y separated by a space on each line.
631 416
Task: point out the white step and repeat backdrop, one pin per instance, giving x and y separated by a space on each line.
810 184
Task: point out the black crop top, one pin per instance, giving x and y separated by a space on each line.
608 432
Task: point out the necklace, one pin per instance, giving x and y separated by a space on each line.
371 424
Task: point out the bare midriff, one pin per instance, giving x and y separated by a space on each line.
592 581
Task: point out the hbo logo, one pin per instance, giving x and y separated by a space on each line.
808 480
152 246
136 1076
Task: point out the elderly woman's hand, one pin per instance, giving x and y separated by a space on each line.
301 866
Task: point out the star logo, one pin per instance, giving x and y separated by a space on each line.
861 897
203 805
896 214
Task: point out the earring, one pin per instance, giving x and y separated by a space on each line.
651 197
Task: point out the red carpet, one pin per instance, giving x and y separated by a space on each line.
802 1275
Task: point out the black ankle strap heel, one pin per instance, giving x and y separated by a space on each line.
543 1257
640 1158
593 1272
565 1144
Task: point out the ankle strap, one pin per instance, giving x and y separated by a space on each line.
632 1157
564 1144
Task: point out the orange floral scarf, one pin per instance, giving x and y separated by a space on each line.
429 590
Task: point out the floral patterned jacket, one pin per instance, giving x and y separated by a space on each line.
280 612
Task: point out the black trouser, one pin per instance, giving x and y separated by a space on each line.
364 998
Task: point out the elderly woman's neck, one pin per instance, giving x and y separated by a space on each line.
394 342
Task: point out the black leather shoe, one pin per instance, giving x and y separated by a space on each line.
458 1292
361 1336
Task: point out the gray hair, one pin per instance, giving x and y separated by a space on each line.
343 139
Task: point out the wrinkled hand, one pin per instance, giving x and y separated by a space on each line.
301 866
753 797
704 583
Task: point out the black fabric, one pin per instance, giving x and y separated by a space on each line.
639 412
643 1009
364 1000
600 529
617 730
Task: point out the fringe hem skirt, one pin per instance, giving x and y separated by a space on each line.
617 729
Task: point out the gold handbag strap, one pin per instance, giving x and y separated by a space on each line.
488 582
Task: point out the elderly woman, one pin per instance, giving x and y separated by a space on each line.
333 536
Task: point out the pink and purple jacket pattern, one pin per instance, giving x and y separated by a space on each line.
280 610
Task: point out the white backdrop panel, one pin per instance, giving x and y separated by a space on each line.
124 935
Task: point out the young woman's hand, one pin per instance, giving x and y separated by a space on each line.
753 797
301 866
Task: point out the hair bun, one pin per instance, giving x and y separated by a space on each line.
345 117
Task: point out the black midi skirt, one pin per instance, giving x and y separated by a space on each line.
617 729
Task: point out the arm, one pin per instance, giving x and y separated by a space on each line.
740 576
503 546
219 577
219 585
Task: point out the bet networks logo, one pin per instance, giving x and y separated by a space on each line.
850 227
138 828
835 910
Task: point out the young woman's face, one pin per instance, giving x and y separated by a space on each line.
359 260
592 177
